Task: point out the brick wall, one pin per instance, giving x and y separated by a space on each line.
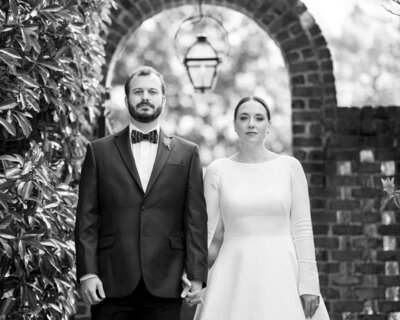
356 244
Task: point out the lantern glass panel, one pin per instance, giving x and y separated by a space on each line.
202 73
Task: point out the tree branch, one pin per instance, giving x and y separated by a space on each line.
390 11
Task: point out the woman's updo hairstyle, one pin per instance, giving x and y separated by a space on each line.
255 98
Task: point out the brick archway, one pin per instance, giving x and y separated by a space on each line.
303 47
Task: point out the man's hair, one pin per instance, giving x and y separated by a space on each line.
144 71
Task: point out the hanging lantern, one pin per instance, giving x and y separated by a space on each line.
200 56
201 62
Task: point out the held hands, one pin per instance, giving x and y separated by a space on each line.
92 291
191 291
310 304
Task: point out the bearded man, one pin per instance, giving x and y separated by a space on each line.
141 220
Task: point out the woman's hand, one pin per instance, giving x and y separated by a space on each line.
191 291
310 304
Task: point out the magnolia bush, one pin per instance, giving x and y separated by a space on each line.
51 59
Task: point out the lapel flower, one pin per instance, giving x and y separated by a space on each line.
167 142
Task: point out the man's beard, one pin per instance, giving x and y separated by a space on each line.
144 117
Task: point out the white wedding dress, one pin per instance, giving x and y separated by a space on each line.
267 259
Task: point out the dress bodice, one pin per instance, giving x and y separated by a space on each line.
255 198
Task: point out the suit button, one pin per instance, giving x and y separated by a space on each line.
142 208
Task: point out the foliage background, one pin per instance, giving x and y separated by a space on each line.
51 55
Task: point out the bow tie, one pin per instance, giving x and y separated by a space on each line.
137 136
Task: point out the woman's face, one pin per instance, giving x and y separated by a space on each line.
252 124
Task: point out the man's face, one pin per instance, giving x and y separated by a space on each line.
145 100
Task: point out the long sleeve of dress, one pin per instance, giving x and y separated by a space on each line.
211 193
301 228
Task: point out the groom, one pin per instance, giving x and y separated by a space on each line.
141 220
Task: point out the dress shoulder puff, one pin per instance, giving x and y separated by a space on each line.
293 162
213 171
216 165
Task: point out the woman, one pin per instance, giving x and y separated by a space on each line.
266 268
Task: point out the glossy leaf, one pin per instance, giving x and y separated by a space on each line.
52 8
11 63
5 222
12 173
51 65
8 104
8 158
14 7
7 234
24 124
4 204
28 80
8 126
33 103
26 39
10 53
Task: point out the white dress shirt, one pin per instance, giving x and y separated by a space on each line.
144 154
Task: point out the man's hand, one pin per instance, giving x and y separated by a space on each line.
92 291
310 304
192 291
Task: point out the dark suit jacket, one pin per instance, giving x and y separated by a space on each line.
123 233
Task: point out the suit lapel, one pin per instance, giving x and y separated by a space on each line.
165 146
122 142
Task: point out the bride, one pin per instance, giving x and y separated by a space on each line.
266 266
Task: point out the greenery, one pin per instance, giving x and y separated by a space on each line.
392 196
366 67
51 58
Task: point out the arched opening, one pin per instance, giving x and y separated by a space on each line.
303 47
255 66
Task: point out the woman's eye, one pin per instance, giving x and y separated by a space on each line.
260 118
243 118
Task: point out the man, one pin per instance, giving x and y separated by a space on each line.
141 219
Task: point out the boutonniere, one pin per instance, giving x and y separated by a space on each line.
167 142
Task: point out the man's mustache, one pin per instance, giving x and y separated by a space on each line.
145 104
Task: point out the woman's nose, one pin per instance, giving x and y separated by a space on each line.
251 123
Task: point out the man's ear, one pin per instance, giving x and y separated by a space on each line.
126 101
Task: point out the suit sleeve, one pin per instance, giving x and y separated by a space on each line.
195 223
87 217
302 233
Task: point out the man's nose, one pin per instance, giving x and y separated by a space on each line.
145 95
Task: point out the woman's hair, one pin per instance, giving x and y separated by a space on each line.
255 98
